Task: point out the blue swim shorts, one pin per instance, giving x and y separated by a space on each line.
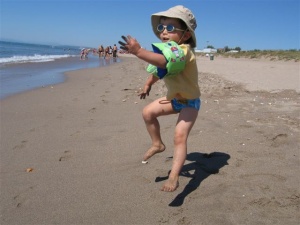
178 105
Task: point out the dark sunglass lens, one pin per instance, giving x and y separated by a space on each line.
160 27
170 28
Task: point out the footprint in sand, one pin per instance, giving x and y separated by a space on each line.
76 134
21 198
238 162
66 156
279 139
22 145
265 202
92 110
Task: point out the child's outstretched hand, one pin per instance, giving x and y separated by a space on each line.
131 44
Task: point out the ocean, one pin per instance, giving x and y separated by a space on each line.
25 66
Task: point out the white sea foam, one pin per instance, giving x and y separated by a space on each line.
35 58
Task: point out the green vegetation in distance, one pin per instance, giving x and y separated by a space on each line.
273 55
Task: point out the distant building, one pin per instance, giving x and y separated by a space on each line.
233 51
206 50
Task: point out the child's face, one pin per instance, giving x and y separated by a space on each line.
175 35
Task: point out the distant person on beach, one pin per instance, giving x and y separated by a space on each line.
100 51
174 61
83 54
110 51
106 52
115 50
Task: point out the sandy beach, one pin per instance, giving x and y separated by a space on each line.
71 153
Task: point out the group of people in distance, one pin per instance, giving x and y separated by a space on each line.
108 51
102 52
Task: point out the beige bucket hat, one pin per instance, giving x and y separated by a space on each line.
179 12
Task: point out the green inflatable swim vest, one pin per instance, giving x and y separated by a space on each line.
175 59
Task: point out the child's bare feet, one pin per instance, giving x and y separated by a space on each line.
170 185
153 150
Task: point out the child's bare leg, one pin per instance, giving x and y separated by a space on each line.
186 120
178 160
150 114
158 146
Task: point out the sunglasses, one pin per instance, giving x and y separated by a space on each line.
170 28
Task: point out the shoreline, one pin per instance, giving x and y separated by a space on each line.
72 154
251 80
20 77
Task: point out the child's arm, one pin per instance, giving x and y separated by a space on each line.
147 87
133 47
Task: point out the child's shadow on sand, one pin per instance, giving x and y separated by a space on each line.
203 165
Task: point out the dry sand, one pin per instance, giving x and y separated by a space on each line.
71 153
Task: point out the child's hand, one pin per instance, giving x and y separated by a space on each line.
145 92
131 44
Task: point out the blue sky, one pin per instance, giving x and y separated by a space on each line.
249 24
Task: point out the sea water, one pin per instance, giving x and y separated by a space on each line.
25 66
